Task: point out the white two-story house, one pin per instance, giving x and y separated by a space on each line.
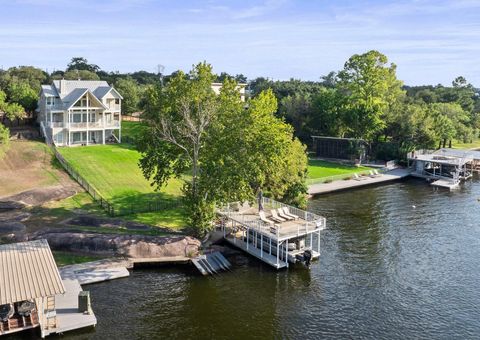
80 112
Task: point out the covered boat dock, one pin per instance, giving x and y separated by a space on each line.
260 230
33 294
444 167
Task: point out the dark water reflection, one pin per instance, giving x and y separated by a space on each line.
388 270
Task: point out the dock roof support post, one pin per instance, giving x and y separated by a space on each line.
311 241
318 246
286 253
270 245
261 246
278 253
248 233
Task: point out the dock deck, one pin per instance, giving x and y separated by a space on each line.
324 188
68 316
255 229
445 183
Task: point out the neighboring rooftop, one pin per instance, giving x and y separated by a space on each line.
28 271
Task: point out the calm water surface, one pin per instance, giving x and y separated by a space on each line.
398 261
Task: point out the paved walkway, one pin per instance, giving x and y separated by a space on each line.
323 188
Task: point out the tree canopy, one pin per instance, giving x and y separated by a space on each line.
229 151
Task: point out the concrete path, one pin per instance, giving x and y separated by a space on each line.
323 188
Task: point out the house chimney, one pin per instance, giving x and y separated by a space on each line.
62 86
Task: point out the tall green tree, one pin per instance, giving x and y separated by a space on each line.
229 151
130 91
23 94
79 74
82 64
372 89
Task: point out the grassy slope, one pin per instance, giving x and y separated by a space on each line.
320 169
27 165
113 170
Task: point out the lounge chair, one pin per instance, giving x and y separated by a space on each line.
283 215
287 212
275 216
376 173
264 218
357 178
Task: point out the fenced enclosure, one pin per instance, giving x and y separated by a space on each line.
112 208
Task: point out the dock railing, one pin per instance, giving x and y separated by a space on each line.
309 221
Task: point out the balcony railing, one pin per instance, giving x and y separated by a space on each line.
55 124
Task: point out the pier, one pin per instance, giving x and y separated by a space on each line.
361 181
273 232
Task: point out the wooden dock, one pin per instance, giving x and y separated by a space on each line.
324 188
68 316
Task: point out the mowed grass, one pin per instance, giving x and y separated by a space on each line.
475 144
114 171
63 258
321 169
132 129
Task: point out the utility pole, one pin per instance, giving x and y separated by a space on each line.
160 69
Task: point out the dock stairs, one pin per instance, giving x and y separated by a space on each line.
211 263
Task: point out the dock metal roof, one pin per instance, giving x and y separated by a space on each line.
28 271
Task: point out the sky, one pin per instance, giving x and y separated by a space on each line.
430 41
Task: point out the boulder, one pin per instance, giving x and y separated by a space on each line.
136 246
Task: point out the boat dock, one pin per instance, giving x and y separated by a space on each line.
265 231
361 181
444 168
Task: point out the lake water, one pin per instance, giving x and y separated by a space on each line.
398 261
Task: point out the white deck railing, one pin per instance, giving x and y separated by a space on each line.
309 222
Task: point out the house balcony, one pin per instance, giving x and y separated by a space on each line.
55 124
95 125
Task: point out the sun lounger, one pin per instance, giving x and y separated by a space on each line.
357 178
283 215
287 212
377 173
264 218
275 216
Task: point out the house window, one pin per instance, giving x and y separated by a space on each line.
117 101
82 102
77 118
50 101
58 137
92 117
76 137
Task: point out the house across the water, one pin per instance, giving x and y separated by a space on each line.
80 112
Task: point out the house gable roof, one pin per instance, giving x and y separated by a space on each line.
75 96
101 92
70 91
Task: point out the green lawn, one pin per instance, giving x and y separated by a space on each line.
460 145
63 258
114 171
319 169
132 129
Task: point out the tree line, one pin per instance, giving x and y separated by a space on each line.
366 100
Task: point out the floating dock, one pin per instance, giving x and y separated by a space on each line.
275 242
